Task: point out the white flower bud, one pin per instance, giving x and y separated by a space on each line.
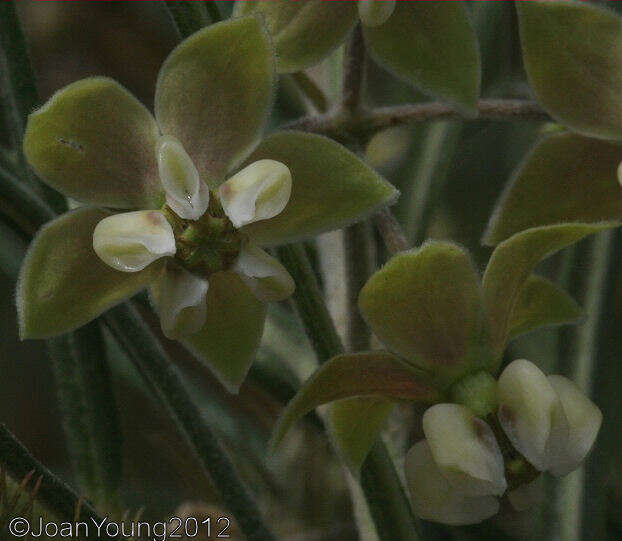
531 414
584 420
434 497
265 276
180 297
186 193
258 192
375 12
132 240
465 450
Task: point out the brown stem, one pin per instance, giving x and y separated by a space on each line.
353 72
391 231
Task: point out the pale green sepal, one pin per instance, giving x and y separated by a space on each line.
355 424
95 142
433 46
426 306
514 260
433 497
375 12
371 374
214 93
63 284
234 322
542 303
303 33
331 188
565 178
572 53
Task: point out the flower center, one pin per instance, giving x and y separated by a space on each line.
207 245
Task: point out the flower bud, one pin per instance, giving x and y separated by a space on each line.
258 192
531 414
181 302
132 240
465 450
265 276
435 498
375 12
186 193
584 420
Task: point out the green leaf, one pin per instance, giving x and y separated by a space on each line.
433 46
63 284
355 424
514 260
371 374
331 188
95 142
303 33
542 303
234 323
426 306
572 52
566 178
214 93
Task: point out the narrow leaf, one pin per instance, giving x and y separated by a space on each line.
542 303
566 178
303 33
572 52
331 188
374 374
426 306
214 93
433 46
514 260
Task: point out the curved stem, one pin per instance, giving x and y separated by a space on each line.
391 231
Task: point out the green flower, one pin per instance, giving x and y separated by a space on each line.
184 202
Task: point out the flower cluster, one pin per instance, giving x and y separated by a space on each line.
457 474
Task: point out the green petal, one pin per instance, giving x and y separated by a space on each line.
372 374
566 178
355 424
514 260
214 93
331 188
426 306
573 56
95 142
433 46
63 284
233 327
542 303
303 33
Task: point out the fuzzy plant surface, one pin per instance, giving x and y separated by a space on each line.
392 127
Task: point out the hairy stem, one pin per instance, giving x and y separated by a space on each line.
391 232
311 91
143 348
353 71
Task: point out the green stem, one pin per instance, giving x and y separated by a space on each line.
143 348
353 72
53 494
188 17
391 232
384 493
213 11
89 413
309 88
19 94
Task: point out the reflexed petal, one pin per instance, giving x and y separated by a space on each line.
234 322
528 495
584 420
433 498
130 241
214 93
375 12
259 191
63 284
186 193
263 274
180 298
531 414
96 142
465 450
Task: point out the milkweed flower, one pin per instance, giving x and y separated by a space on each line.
185 201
